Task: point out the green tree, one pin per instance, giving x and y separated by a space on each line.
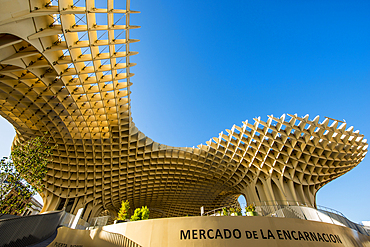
123 212
22 173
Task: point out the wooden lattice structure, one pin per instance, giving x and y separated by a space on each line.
65 70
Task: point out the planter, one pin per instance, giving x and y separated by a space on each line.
119 221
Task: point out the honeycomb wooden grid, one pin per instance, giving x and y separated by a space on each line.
65 70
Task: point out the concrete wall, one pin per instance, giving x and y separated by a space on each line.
216 231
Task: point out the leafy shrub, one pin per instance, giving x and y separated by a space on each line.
239 212
250 208
225 212
140 214
232 210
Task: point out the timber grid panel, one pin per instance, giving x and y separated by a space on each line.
65 70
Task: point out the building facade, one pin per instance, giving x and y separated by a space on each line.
34 208
64 73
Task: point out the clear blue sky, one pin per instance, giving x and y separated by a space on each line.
206 65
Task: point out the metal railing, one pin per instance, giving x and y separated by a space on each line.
68 219
28 230
289 209
99 221
117 239
218 211
329 210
